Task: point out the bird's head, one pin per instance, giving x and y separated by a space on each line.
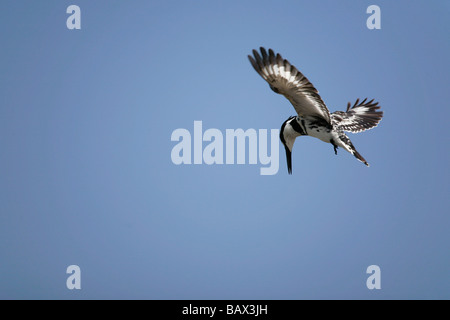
288 134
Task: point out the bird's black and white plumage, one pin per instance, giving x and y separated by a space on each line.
313 117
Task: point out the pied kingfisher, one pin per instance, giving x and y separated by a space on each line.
314 118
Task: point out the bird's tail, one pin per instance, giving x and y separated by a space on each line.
345 142
359 157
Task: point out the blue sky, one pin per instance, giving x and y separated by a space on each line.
86 118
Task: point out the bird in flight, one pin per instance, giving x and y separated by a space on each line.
313 117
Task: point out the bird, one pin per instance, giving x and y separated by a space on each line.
313 117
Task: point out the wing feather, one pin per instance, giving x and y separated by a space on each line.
285 79
361 116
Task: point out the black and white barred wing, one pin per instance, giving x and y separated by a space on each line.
285 79
360 117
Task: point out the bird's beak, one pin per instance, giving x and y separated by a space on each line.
288 159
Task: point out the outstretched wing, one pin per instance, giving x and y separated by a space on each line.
362 116
285 79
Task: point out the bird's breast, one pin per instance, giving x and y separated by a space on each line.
324 133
